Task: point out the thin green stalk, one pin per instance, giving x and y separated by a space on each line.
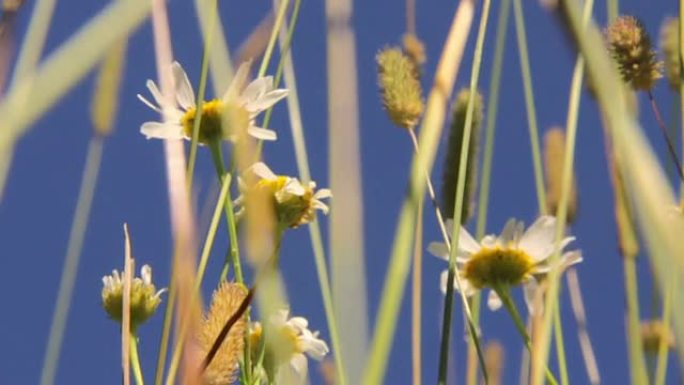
636 353
71 260
280 17
299 142
206 250
663 346
551 301
36 34
460 187
166 328
508 303
192 158
483 198
560 347
135 360
530 104
217 157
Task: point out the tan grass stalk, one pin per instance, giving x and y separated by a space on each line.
129 267
346 217
416 298
582 333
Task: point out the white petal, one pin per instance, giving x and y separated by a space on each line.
184 93
159 130
509 232
530 289
262 133
292 186
466 242
156 94
146 274
493 301
323 193
261 170
298 324
539 238
266 101
465 285
256 89
320 206
316 348
148 103
293 372
439 250
238 82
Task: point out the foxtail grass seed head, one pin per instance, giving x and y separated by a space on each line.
293 203
669 44
12 5
401 93
653 332
452 159
224 303
287 348
145 298
230 117
515 257
415 49
554 159
631 48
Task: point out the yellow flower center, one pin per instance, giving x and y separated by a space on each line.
291 210
498 266
216 114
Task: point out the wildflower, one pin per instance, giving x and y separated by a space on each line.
513 258
452 160
630 46
293 203
226 118
554 159
669 43
144 296
653 332
292 341
400 88
224 303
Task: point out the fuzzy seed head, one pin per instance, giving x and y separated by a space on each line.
554 159
399 87
224 303
453 155
145 298
669 43
630 46
415 49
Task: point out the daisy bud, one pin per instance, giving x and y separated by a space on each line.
144 296
669 43
400 88
630 46
554 159
652 333
415 49
224 303
494 360
453 155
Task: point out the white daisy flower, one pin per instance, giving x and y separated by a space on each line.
237 109
515 257
294 342
295 204
145 298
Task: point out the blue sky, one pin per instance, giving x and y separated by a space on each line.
36 212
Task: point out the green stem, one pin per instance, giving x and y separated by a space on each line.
636 353
483 198
217 157
460 187
192 158
72 259
661 366
530 105
504 294
135 360
274 36
166 328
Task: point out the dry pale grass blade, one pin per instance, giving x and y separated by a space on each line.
647 186
582 333
129 266
416 299
256 42
105 102
60 72
494 359
346 217
423 161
